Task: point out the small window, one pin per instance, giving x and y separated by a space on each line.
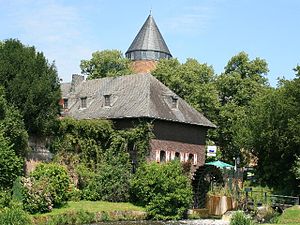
83 102
177 155
107 100
174 102
65 103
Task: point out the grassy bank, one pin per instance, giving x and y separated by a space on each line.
90 212
290 216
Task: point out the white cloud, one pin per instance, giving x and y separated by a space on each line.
59 30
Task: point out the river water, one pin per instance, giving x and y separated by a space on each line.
182 222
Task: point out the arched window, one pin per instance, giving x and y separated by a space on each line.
177 155
162 156
191 158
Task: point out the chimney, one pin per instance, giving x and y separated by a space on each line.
76 80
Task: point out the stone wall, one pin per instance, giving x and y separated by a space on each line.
38 152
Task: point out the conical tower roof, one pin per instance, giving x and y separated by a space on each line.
149 43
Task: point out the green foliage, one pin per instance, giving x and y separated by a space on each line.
272 133
192 81
56 179
45 188
107 63
296 168
31 84
163 189
96 142
242 80
14 216
109 183
12 126
36 196
239 218
11 166
5 198
86 138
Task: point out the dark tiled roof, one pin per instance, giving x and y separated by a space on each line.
131 96
149 38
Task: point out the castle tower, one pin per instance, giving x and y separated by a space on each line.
147 47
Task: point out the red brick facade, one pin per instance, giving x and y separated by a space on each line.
143 66
183 150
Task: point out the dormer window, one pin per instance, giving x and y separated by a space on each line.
65 103
174 102
107 100
83 102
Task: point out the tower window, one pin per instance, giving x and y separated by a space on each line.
65 103
107 100
83 102
174 102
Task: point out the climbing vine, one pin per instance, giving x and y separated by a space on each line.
97 141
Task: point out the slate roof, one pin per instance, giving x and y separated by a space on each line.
149 38
132 96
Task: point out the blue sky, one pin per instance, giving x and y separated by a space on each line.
211 31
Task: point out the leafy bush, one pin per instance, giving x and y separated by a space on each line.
11 166
56 179
74 194
111 183
45 188
14 216
36 195
12 126
240 218
4 199
163 189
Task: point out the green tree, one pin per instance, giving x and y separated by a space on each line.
31 84
192 81
273 135
107 63
12 126
242 80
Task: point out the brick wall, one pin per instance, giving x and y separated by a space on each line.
184 149
143 66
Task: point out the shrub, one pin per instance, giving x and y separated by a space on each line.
56 179
111 183
240 218
36 196
4 199
14 216
11 166
163 189
45 188
74 194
